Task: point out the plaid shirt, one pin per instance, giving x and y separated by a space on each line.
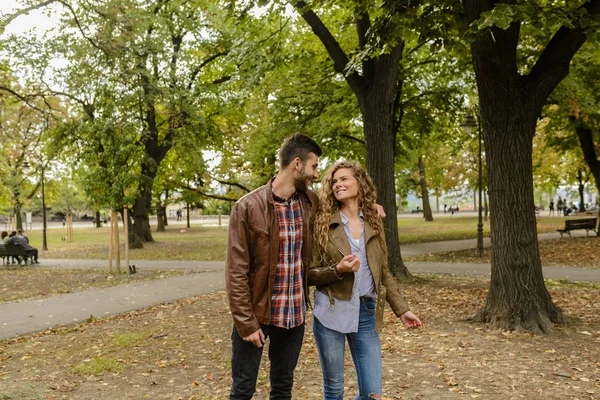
287 300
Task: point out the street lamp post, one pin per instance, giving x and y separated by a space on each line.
44 227
469 125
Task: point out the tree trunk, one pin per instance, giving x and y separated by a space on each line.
424 191
160 220
377 103
141 216
17 211
518 299
485 201
97 221
510 104
134 240
187 208
581 197
586 141
165 219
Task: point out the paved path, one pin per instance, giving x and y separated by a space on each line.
34 315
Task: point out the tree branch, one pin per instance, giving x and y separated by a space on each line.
221 80
21 97
335 51
24 11
586 141
76 19
204 63
211 196
238 185
353 138
553 64
363 24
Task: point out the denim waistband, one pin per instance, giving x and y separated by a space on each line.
366 299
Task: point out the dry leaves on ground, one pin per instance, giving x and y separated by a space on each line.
182 351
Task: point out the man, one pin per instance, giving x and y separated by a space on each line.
23 240
268 248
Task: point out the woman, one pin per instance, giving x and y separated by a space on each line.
349 268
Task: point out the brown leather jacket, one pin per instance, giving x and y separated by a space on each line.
253 252
322 273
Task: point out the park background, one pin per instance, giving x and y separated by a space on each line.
167 106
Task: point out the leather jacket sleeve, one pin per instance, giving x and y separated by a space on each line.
393 296
237 269
321 270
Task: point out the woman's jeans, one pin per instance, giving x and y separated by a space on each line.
365 348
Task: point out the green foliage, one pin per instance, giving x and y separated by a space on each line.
573 104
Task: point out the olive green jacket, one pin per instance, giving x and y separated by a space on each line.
322 274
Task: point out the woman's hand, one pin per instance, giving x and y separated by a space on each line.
348 264
410 320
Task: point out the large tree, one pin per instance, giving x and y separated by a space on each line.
514 80
372 71
149 67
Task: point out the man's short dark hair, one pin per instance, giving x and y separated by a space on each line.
20 231
297 145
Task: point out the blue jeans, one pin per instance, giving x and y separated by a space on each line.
365 348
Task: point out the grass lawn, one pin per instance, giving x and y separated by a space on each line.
209 243
182 351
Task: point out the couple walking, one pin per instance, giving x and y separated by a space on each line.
283 238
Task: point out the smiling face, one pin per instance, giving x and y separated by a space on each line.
344 185
306 171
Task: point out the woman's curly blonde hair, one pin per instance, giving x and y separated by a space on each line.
328 205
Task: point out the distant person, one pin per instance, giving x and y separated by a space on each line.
559 206
20 232
551 207
445 206
178 215
21 239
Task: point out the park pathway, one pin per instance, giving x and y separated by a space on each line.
38 314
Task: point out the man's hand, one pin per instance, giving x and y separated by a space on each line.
257 338
380 211
348 264
410 320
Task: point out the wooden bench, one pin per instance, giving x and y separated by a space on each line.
16 250
589 224
416 211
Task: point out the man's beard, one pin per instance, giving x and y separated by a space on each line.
303 181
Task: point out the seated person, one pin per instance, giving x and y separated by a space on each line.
21 239
5 237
